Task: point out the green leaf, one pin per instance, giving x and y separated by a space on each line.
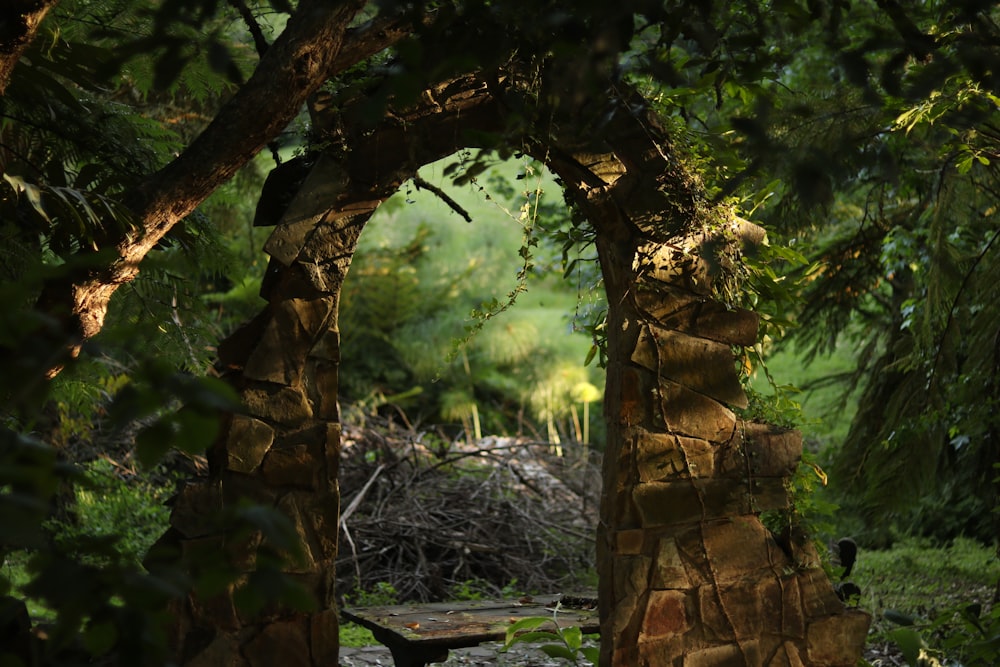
898 618
910 642
522 626
536 637
100 638
558 651
573 637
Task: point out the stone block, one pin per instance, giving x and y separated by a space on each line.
325 182
661 301
629 542
294 328
818 596
657 652
684 501
731 611
284 643
236 348
770 586
668 567
239 487
837 641
741 655
667 503
666 615
677 263
295 465
315 517
737 547
635 394
771 451
323 382
688 412
324 639
197 508
297 506
215 611
223 651
787 655
659 456
700 456
278 404
793 621
663 456
769 493
703 318
631 576
702 365
247 441
327 348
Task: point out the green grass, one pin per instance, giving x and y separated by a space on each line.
927 583
353 635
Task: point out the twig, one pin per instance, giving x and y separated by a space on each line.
443 196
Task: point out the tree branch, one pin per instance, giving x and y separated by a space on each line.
315 45
443 196
19 21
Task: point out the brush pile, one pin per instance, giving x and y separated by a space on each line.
436 520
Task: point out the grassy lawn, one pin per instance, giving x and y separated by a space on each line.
928 584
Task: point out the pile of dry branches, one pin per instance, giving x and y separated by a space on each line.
431 518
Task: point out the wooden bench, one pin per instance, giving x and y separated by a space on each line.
418 634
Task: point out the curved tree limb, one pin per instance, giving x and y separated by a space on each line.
19 21
315 45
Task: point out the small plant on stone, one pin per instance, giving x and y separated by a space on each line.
565 643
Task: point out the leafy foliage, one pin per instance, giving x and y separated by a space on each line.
431 337
566 643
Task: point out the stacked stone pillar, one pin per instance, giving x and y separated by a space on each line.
690 574
280 452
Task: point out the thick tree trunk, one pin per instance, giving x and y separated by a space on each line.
19 21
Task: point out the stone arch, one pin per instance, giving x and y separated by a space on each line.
688 573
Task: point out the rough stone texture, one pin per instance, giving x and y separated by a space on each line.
666 615
247 443
324 640
697 363
681 468
701 317
766 451
284 643
294 326
195 509
736 547
223 651
282 452
669 570
837 640
688 575
287 406
293 465
689 412
740 654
